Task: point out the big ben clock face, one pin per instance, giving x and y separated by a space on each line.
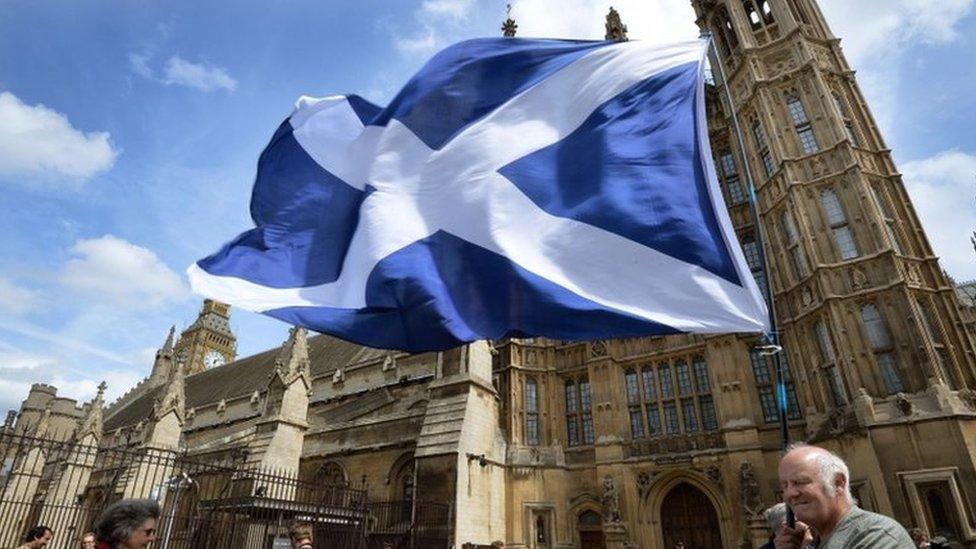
213 359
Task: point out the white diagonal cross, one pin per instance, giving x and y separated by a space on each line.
457 189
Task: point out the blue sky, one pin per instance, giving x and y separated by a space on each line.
129 133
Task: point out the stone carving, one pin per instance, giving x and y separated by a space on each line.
338 376
644 481
389 363
968 397
904 405
611 501
858 279
911 272
751 501
806 297
221 406
616 30
714 474
255 399
598 348
509 27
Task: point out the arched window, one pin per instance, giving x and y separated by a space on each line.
577 394
726 28
767 12
845 115
884 354
403 485
531 405
804 131
752 14
330 474
730 177
837 221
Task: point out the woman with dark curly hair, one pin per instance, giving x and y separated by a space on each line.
127 524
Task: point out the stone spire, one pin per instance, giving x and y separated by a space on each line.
163 364
173 399
616 30
167 347
92 424
509 27
292 360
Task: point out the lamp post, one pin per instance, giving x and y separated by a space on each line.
176 483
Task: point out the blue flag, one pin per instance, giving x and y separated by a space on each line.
512 188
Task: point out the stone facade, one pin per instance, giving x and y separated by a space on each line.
639 442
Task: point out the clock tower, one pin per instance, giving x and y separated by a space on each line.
209 341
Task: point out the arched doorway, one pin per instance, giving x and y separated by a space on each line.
590 525
688 516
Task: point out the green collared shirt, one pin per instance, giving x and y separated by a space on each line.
860 529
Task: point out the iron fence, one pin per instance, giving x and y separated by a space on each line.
214 501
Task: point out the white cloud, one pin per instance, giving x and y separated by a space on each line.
38 141
197 75
653 20
421 44
875 33
943 189
180 72
871 28
457 9
18 360
140 65
15 299
117 270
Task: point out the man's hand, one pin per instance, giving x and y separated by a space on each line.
792 538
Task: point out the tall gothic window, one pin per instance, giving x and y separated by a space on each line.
884 354
752 14
837 221
765 383
531 404
751 251
670 398
934 329
800 266
730 177
889 220
727 30
828 365
759 137
804 131
579 419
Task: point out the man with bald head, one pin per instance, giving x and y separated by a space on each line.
816 485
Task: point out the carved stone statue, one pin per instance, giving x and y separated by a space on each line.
611 501
751 501
509 27
616 30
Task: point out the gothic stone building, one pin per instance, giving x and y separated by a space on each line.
642 442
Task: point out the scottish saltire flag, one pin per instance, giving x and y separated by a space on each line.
513 187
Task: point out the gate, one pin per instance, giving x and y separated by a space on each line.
212 500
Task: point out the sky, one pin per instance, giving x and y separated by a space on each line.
129 134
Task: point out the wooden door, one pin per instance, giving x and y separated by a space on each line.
688 517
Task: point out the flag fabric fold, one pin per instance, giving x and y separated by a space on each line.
512 188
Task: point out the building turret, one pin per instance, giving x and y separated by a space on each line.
281 430
163 363
209 341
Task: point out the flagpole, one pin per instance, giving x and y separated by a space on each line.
771 345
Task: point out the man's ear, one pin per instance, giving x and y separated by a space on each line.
840 482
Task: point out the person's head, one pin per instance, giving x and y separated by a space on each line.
128 523
88 540
918 535
301 535
38 536
775 516
816 485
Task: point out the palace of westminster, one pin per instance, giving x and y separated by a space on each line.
641 442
